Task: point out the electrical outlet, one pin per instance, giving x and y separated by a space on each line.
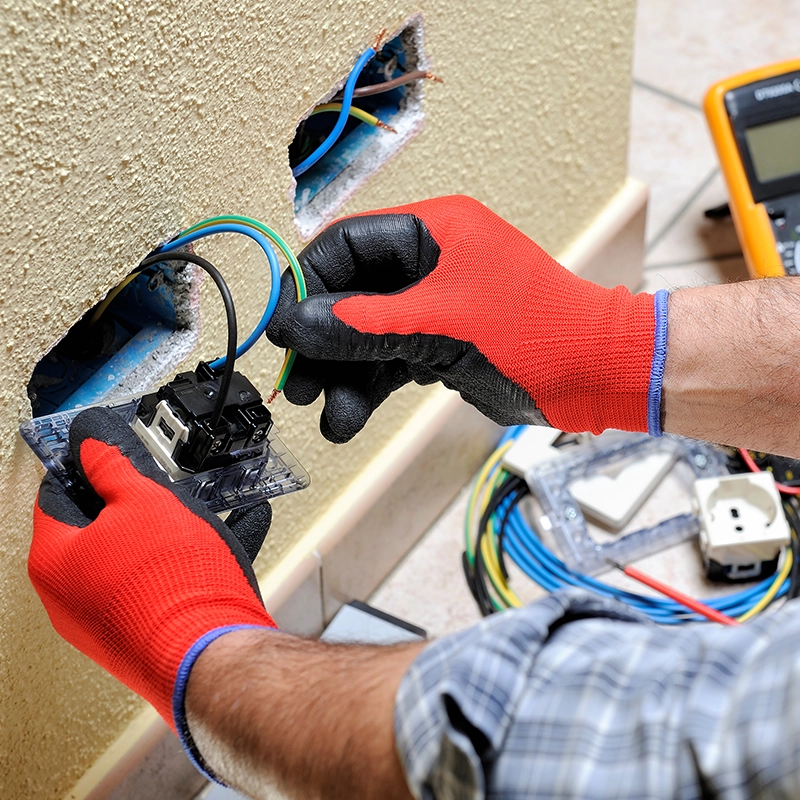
742 524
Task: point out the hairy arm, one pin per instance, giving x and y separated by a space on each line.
732 373
271 712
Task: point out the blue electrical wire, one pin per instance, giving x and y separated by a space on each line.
275 273
347 100
543 567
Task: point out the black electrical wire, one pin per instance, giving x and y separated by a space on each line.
230 314
481 577
477 583
790 509
510 485
519 491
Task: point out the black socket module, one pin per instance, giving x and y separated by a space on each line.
191 398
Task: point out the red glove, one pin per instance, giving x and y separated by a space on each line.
446 290
147 585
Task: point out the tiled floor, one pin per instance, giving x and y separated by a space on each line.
682 47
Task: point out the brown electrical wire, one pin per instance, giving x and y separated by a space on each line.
387 86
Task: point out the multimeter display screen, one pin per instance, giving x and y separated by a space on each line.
775 149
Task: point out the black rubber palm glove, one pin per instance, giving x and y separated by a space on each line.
351 254
446 290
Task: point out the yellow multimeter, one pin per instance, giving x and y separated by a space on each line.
755 123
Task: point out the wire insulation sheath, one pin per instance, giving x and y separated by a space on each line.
275 270
347 99
387 86
294 266
678 597
753 467
230 314
364 116
780 578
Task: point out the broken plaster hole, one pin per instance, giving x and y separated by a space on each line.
124 345
361 150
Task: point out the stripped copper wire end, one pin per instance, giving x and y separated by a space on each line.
435 78
378 41
272 395
384 126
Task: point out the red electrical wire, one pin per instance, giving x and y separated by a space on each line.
753 467
678 597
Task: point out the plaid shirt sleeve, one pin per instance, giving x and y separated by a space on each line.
577 696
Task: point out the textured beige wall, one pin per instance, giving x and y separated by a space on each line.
123 122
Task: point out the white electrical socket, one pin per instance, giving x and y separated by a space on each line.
613 501
741 518
531 447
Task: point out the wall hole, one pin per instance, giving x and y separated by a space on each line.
121 347
362 149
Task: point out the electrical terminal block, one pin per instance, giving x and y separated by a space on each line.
238 462
743 528
176 422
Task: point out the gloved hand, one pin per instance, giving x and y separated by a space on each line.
446 290
147 585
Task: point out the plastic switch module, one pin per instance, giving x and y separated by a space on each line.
238 462
175 423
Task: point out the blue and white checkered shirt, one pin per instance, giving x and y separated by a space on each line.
576 696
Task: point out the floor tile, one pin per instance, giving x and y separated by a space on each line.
670 151
693 237
428 587
683 46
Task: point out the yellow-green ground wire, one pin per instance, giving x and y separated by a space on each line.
357 113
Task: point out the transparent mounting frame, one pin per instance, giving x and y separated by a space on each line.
266 471
549 482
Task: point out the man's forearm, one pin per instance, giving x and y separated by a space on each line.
270 711
732 373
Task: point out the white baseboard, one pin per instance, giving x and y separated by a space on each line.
611 250
376 520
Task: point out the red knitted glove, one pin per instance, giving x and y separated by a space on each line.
147 585
446 290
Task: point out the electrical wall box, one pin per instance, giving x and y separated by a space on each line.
122 347
361 149
742 526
